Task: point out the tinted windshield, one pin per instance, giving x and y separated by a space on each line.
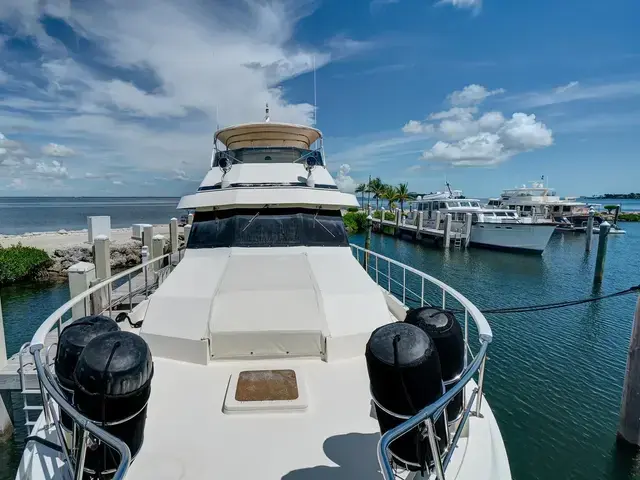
268 227
267 155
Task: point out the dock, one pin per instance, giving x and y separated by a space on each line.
447 236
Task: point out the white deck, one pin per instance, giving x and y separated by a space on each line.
187 435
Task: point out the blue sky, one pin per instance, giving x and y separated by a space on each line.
121 97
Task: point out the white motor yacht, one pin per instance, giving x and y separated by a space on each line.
264 349
501 229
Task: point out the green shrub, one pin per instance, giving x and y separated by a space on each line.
352 209
21 263
355 222
629 217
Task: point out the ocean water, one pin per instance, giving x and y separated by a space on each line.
31 214
554 378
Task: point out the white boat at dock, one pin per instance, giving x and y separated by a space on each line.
262 349
501 229
543 205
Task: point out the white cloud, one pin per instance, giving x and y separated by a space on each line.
55 169
576 91
564 88
475 5
472 95
117 182
4 78
482 149
414 126
55 150
186 64
17 184
344 181
468 138
180 174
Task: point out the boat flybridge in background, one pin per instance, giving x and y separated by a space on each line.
267 351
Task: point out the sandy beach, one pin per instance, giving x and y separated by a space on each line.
50 241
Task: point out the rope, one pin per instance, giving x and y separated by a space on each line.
538 308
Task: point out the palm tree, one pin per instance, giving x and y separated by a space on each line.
390 194
377 188
361 189
403 194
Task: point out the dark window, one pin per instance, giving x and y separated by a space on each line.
474 218
268 155
268 227
443 205
566 208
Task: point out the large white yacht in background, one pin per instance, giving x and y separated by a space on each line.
497 228
274 353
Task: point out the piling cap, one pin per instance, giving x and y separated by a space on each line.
605 224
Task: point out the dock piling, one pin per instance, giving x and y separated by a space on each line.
397 229
147 236
420 224
173 234
6 427
468 222
446 239
367 242
158 249
80 277
187 232
602 251
589 230
629 426
190 219
438 217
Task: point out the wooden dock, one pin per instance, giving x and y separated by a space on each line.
447 236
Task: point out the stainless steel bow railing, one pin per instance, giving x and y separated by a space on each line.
402 281
49 389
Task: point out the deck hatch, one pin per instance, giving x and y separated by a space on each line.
266 385
266 391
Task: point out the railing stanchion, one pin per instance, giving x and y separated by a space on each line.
377 282
435 451
45 402
82 455
130 294
109 299
466 337
480 385
444 298
404 286
422 292
389 275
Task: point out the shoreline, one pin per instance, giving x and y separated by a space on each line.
64 239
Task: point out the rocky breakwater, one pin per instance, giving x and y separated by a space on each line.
123 256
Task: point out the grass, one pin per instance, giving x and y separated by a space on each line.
18 263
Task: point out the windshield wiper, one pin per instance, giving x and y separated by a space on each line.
315 219
252 219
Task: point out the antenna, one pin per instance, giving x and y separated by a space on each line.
315 99
266 113
217 120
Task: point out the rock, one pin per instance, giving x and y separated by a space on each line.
62 231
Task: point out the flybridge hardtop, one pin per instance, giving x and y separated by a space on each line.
267 134
265 164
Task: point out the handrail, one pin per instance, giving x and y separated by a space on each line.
429 414
484 330
48 388
38 339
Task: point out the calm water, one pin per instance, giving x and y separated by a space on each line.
554 378
30 214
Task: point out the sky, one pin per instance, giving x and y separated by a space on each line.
121 98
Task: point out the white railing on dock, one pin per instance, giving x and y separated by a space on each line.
154 272
403 282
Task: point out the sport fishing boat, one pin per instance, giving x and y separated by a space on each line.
268 348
